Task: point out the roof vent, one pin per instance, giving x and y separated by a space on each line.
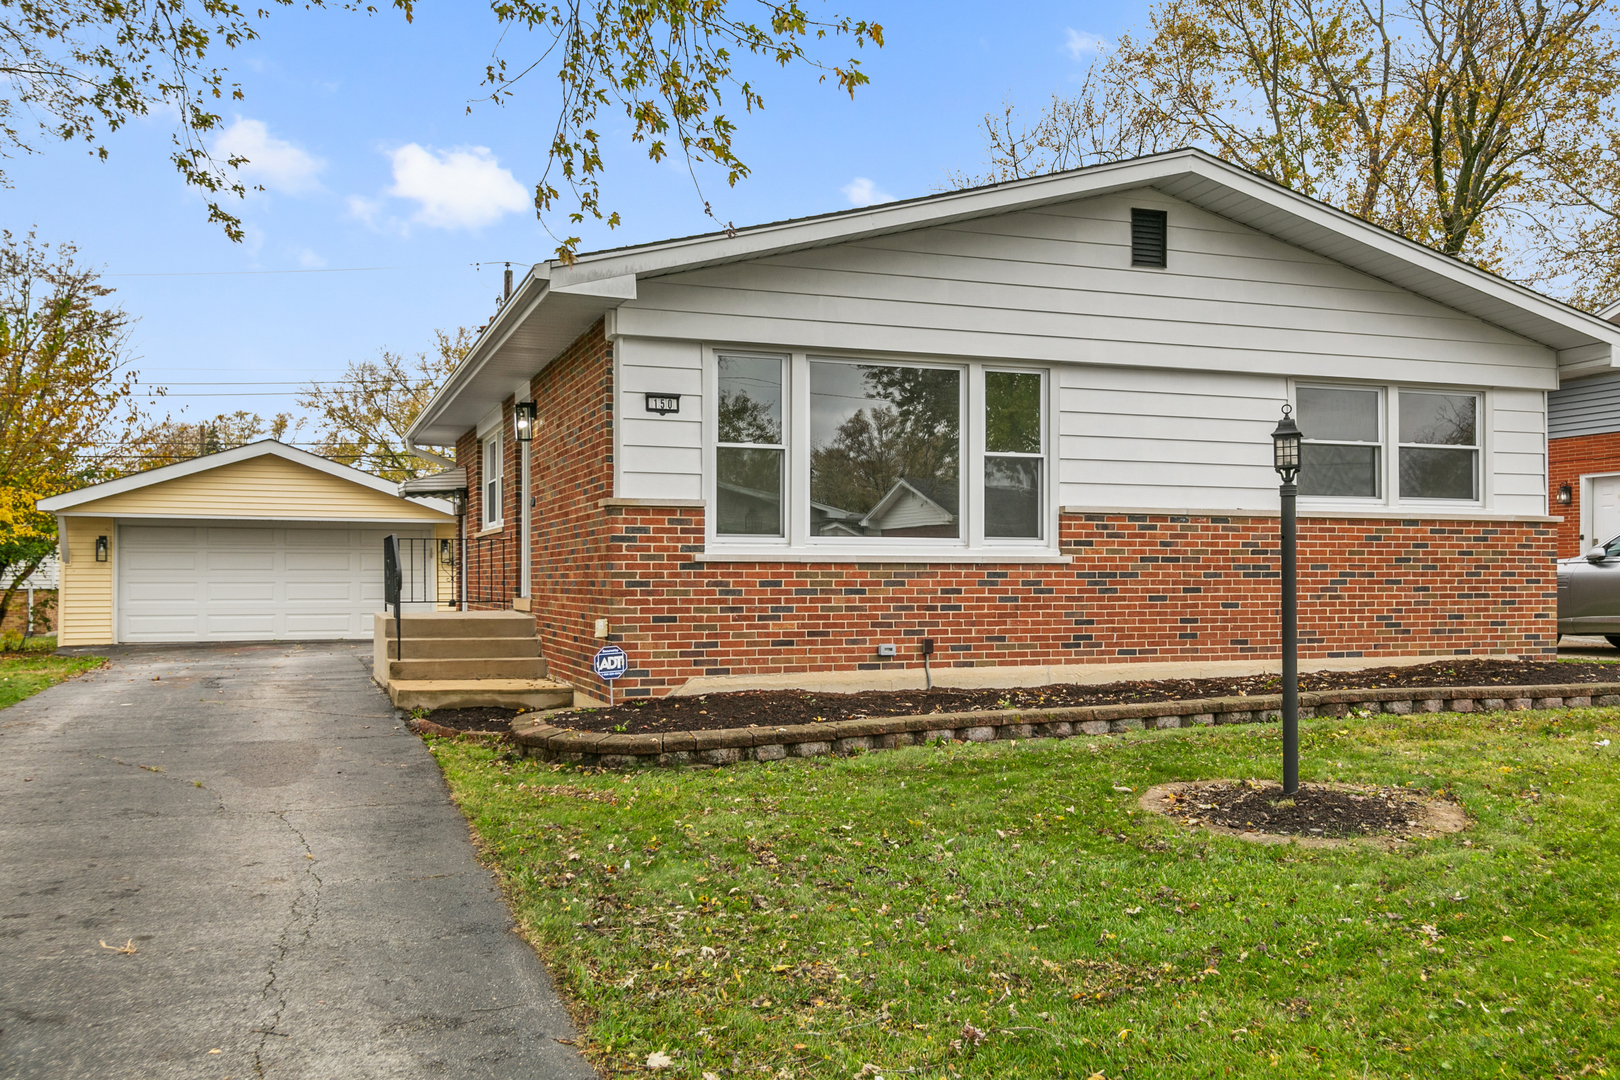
1148 228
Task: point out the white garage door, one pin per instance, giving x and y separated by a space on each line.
230 583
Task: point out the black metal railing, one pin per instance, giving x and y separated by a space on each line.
439 574
492 568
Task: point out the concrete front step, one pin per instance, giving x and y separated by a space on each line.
472 693
454 648
482 667
460 624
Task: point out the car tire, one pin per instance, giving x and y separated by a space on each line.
1613 639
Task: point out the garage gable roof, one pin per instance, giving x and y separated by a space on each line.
557 302
265 479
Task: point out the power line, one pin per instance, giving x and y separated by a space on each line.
316 270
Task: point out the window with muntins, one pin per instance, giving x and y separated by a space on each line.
494 466
852 454
1348 453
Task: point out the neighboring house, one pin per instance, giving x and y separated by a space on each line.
34 608
261 543
1029 422
1583 456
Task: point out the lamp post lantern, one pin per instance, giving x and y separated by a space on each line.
1285 442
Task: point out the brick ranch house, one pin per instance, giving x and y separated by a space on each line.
1028 422
1583 453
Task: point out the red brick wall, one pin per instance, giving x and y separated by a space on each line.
571 470
1140 588
1567 461
492 561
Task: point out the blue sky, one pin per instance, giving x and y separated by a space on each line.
359 129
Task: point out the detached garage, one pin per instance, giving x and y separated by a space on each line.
261 543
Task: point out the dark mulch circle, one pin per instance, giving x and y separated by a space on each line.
1313 810
777 707
479 719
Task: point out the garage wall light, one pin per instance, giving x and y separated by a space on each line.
101 549
1565 496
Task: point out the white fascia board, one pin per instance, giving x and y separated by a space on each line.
525 300
622 287
1610 313
56 504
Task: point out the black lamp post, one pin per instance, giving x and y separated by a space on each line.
1285 448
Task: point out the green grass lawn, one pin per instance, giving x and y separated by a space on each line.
24 674
1005 910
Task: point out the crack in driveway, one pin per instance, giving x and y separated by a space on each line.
298 930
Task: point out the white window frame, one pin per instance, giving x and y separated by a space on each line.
797 543
783 447
492 459
1390 446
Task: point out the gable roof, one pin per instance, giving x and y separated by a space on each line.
85 499
556 303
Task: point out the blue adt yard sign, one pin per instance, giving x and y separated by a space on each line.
609 663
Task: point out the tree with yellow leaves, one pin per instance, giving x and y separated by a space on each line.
65 380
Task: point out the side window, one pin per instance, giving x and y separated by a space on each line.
1439 445
1014 454
1341 455
748 460
494 466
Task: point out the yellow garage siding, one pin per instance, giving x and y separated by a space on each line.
85 603
263 487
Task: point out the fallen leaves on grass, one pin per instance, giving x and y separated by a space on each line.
569 791
659 1060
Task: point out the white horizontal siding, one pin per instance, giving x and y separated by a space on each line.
1056 285
659 457
1166 438
1518 441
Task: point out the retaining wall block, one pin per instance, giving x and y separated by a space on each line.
895 739
1549 703
811 749
1518 703
1234 718
938 735
856 744
770 752
675 759
1268 716
979 734
1432 705
1015 731
1493 704
1094 727
1129 723
1579 701
1167 721
720 755
1606 701
1057 729
1201 719
1462 704
1399 708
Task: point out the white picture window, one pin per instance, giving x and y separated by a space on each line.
494 462
848 454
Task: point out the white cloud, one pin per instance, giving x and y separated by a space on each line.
863 192
309 260
464 188
1077 43
272 162
365 209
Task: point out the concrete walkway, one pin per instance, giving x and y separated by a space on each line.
300 895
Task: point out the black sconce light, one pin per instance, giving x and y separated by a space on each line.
445 556
458 502
101 549
523 420
1565 496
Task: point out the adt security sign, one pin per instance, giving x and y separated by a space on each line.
609 662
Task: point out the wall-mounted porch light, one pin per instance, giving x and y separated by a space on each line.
101 549
523 420
1565 495
458 502
446 552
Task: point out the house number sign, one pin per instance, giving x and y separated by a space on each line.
663 404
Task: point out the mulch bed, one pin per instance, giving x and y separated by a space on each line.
480 719
758 707
1314 810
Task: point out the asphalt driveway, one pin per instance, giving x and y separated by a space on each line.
234 862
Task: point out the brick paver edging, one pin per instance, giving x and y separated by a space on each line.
537 738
